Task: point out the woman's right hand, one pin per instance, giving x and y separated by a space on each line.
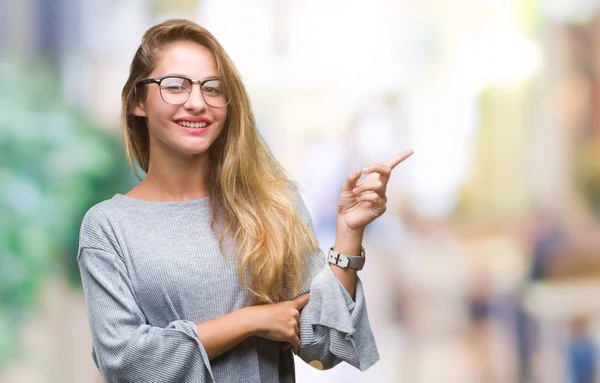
280 321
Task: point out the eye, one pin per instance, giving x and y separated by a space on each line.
175 85
212 88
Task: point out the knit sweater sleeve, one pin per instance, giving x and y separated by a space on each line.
125 347
333 326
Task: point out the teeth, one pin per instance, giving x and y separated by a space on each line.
192 124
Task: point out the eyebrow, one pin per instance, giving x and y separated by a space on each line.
213 77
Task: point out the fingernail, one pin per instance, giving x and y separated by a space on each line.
355 190
365 170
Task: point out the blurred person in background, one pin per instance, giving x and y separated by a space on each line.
563 261
201 272
581 352
546 235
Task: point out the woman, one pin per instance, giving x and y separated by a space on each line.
196 274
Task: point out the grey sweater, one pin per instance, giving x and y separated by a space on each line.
152 270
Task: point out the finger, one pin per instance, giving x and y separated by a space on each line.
371 197
351 180
296 343
297 329
394 161
384 171
373 185
301 301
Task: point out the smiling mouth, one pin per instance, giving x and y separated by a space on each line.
194 125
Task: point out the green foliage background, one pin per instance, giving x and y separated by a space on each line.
55 163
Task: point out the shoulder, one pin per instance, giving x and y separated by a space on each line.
300 206
97 227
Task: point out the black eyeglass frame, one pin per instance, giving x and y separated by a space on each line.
158 81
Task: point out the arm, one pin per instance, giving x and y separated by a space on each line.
125 347
334 326
360 204
222 334
347 242
276 321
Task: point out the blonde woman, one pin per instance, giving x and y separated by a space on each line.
201 272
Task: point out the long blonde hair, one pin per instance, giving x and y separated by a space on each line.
250 194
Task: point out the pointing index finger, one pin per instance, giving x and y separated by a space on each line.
394 161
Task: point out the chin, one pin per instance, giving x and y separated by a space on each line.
187 146
192 150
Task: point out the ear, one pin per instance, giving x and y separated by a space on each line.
138 110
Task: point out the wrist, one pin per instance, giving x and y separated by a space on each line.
344 230
348 240
249 321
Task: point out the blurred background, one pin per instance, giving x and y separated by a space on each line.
486 266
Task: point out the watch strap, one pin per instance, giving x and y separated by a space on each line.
347 261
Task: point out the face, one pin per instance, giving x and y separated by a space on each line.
181 129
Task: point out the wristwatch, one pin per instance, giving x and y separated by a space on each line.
347 261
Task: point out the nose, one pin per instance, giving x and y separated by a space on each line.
195 102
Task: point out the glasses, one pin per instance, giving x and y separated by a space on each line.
176 90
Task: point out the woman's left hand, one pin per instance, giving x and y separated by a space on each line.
361 204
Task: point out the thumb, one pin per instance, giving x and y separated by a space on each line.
301 301
351 180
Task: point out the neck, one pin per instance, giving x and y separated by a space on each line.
175 177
